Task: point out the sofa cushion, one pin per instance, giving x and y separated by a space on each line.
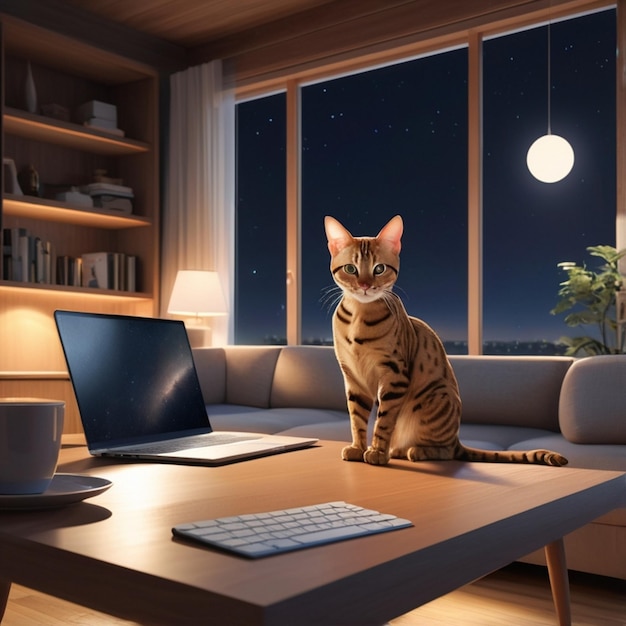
308 376
329 431
515 391
497 437
249 374
589 456
592 408
275 420
211 368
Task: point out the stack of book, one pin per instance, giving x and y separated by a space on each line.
69 271
27 258
109 270
110 196
99 116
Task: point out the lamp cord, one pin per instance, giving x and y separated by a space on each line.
549 80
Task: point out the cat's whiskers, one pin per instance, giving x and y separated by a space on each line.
330 297
397 287
387 298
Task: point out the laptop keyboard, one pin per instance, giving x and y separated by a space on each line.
263 534
187 443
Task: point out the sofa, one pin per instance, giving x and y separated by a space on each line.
574 406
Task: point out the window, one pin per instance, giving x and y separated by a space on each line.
530 226
393 140
260 316
390 141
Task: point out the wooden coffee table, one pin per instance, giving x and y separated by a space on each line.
115 552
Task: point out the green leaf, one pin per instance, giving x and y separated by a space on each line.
588 298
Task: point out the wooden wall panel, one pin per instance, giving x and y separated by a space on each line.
28 336
48 387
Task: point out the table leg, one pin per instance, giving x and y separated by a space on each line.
5 587
559 581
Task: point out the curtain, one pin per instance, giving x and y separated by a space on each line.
198 220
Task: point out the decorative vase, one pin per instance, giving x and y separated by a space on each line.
28 179
30 91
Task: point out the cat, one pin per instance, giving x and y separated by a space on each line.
397 361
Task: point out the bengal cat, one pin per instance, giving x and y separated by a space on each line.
397 361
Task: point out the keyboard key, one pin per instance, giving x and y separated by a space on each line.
325 536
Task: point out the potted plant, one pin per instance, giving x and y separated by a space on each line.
591 298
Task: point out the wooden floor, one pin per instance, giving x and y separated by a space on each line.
519 595
516 595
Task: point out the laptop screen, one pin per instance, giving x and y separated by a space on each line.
134 377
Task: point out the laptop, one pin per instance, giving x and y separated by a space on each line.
139 396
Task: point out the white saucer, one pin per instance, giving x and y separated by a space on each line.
64 489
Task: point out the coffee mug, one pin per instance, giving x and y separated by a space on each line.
30 440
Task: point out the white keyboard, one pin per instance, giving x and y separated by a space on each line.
262 534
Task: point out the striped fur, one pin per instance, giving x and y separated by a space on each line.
396 362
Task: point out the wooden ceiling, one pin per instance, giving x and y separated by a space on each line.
266 40
190 23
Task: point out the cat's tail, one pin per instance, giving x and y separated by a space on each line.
537 457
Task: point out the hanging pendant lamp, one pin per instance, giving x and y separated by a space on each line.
550 158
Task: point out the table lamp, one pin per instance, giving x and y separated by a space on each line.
197 294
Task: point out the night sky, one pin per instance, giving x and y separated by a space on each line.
394 140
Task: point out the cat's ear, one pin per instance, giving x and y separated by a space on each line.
338 237
392 233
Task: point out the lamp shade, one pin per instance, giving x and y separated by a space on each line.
197 292
550 158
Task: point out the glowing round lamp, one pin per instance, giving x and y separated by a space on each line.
550 158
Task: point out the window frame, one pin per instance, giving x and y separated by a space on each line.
472 38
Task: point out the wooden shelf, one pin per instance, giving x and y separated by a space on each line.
28 375
68 71
53 211
49 130
82 291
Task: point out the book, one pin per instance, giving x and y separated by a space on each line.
65 270
101 122
98 109
109 270
73 196
19 264
77 273
99 189
113 203
113 131
40 264
131 273
27 258
7 260
97 270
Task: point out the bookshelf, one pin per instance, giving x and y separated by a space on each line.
48 129
52 211
65 153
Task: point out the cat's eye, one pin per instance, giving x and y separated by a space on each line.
349 268
379 269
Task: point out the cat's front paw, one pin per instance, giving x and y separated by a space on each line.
352 453
375 457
